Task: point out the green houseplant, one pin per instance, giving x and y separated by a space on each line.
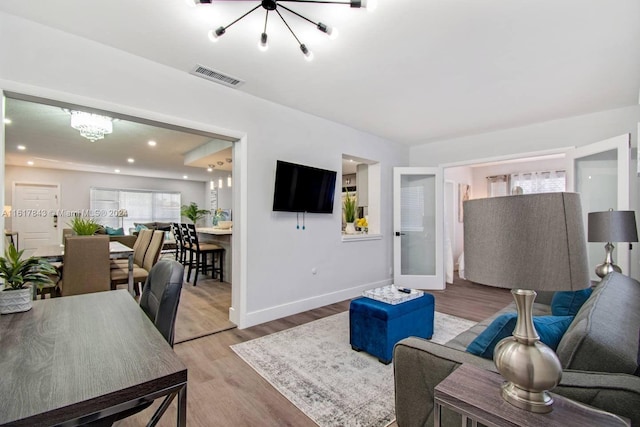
349 208
192 212
19 275
84 226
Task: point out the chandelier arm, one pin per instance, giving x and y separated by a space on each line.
252 10
297 14
315 1
285 23
266 17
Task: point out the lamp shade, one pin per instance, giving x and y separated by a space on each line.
612 226
532 241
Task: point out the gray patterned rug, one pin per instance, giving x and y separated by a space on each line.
314 367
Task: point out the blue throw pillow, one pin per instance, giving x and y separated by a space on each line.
114 231
567 303
140 227
550 328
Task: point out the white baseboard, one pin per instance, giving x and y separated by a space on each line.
280 311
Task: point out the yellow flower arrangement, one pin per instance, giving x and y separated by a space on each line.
362 222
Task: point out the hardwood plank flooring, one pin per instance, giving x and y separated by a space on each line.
203 309
224 391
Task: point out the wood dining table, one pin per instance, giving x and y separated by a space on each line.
117 250
69 361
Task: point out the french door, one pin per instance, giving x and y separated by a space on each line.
600 173
418 228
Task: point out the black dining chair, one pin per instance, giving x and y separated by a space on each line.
198 253
161 295
159 300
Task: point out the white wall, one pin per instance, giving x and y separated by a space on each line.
75 186
459 175
275 260
548 136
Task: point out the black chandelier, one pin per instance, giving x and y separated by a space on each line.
276 6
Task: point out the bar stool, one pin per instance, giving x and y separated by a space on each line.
198 255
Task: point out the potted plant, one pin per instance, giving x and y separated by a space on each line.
193 212
19 276
84 226
349 208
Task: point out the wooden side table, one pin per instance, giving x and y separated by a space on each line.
475 394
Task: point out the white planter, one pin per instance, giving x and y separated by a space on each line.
350 228
15 301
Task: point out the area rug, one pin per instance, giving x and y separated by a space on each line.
314 367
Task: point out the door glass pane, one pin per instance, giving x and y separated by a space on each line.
418 223
596 179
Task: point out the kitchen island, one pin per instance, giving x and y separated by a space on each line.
222 238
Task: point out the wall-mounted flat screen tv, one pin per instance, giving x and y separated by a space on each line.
301 188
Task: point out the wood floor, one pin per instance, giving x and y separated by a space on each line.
224 391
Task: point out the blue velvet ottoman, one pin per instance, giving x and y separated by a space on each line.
375 326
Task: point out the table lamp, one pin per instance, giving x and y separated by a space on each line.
611 226
526 243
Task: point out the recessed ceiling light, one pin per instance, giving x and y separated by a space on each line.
130 160
21 147
117 170
152 143
30 163
185 177
7 121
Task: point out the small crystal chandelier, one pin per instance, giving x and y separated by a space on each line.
91 126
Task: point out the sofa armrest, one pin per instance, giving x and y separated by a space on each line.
419 365
615 393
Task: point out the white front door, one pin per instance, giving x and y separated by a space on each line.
600 173
33 214
418 228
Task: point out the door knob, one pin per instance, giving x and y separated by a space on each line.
399 233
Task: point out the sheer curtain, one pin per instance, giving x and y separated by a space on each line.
538 182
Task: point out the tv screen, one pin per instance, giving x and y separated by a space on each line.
301 188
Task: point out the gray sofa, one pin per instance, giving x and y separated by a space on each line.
599 356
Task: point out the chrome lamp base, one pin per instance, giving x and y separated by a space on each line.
529 366
608 265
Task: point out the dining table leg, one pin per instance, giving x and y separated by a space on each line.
130 278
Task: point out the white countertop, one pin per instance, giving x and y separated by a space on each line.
214 230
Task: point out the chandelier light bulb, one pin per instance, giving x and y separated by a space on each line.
219 182
263 45
308 55
370 5
330 31
214 35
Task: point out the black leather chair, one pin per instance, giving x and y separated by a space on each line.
159 300
161 295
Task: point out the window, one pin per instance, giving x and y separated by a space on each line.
538 182
140 206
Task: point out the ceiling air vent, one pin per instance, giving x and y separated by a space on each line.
216 76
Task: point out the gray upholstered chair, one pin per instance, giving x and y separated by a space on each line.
139 250
85 265
120 275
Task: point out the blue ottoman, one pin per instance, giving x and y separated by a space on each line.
375 326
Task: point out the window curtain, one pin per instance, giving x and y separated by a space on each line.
498 185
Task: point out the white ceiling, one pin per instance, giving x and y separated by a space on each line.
50 142
412 71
